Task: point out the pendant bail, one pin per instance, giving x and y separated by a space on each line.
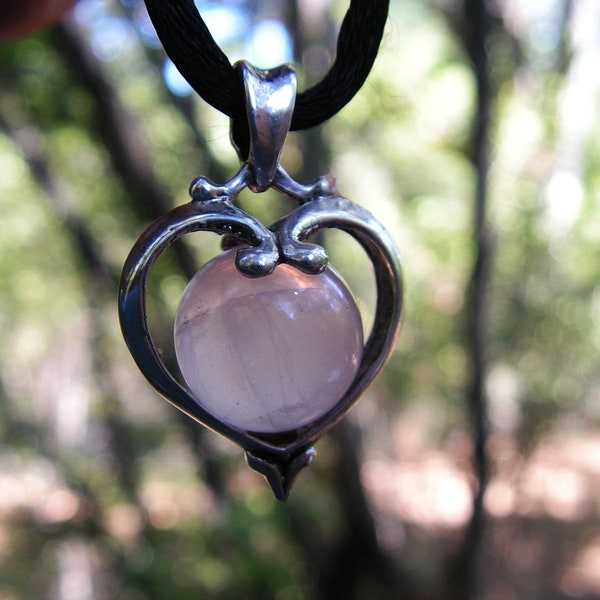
270 98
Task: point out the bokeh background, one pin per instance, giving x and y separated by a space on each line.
471 469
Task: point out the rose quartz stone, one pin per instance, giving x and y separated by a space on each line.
271 354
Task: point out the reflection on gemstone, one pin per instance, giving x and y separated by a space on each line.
270 354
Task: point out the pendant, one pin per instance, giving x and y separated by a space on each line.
268 338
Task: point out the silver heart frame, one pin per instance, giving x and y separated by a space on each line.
269 101
277 456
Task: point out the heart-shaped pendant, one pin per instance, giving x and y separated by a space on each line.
268 338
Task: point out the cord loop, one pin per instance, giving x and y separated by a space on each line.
191 47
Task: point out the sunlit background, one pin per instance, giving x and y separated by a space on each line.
107 492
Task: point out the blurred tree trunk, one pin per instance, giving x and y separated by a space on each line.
474 32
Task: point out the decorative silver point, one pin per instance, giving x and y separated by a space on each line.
280 473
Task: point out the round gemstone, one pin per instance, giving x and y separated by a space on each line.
268 354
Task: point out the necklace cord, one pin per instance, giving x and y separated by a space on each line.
190 45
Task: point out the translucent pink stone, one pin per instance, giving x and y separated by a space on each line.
271 354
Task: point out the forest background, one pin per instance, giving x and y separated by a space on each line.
470 469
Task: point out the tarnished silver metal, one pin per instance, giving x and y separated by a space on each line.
202 189
270 98
279 457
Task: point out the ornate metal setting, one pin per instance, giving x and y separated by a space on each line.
270 98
